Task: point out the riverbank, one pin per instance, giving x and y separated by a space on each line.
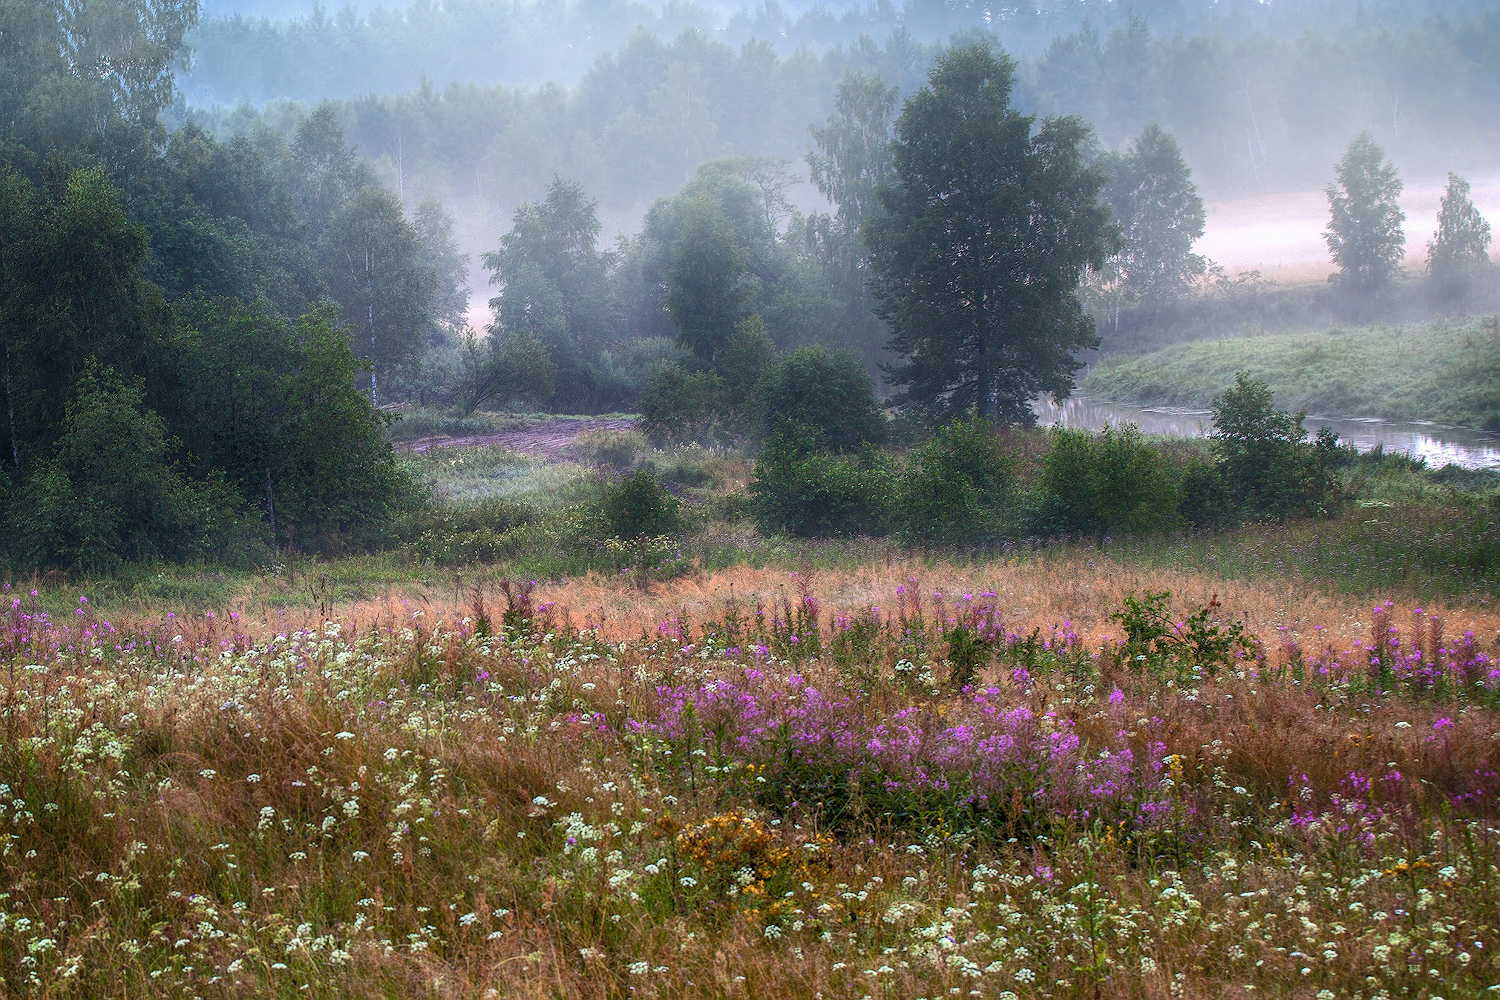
1446 371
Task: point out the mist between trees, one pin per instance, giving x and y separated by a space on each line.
206 326
1259 98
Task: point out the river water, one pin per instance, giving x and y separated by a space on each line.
1437 444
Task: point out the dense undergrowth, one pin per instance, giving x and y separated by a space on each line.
911 800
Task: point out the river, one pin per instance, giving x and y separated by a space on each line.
1438 445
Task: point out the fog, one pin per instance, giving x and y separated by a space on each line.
1281 234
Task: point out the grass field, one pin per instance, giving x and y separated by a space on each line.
1448 372
804 769
872 782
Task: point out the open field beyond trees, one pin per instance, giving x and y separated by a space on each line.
1444 371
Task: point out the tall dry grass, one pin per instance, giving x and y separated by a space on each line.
409 802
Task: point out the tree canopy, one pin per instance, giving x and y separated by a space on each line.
990 223
1364 228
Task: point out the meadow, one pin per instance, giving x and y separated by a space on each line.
1260 761
867 783
1443 371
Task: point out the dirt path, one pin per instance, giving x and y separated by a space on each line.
550 440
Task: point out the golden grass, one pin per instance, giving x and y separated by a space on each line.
1035 592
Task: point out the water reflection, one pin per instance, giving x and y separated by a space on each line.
1438 445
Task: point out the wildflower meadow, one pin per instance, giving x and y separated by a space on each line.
780 798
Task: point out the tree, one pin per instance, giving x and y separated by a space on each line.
1264 458
504 369
852 160
109 492
552 278
708 290
827 391
1364 229
324 171
375 266
984 235
853 155
1160 215
441 254
1461 246
555 288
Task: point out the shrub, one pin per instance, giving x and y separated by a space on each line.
743 360
636 506
1264 456
1154 638
612 449
798 489
679 405
109 493
1203 499
960 488
823 389
1095 484
459 534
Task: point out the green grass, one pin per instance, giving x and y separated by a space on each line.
1448 372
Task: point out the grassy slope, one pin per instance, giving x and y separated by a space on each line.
1446 371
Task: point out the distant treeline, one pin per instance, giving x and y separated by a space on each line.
1258 95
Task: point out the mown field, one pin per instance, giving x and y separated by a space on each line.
1445 371
1254 762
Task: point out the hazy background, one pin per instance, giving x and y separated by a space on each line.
479 103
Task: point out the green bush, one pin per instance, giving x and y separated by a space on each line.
680 405
1203 499
960 489
1264 457
612 449
462 533
808 493
110 493
823 389
636 506
1097 484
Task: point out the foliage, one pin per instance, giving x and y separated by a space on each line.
977 322
1460 249
1264 456
1197 643
1160 215
373 262
1114 482
1364 230
461 533
680 405
852 159
823 389
960 488
707 290
555 290
504 369
110 493
636 506
616 450
802 490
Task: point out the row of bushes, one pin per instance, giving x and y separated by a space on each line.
751 392
972 485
